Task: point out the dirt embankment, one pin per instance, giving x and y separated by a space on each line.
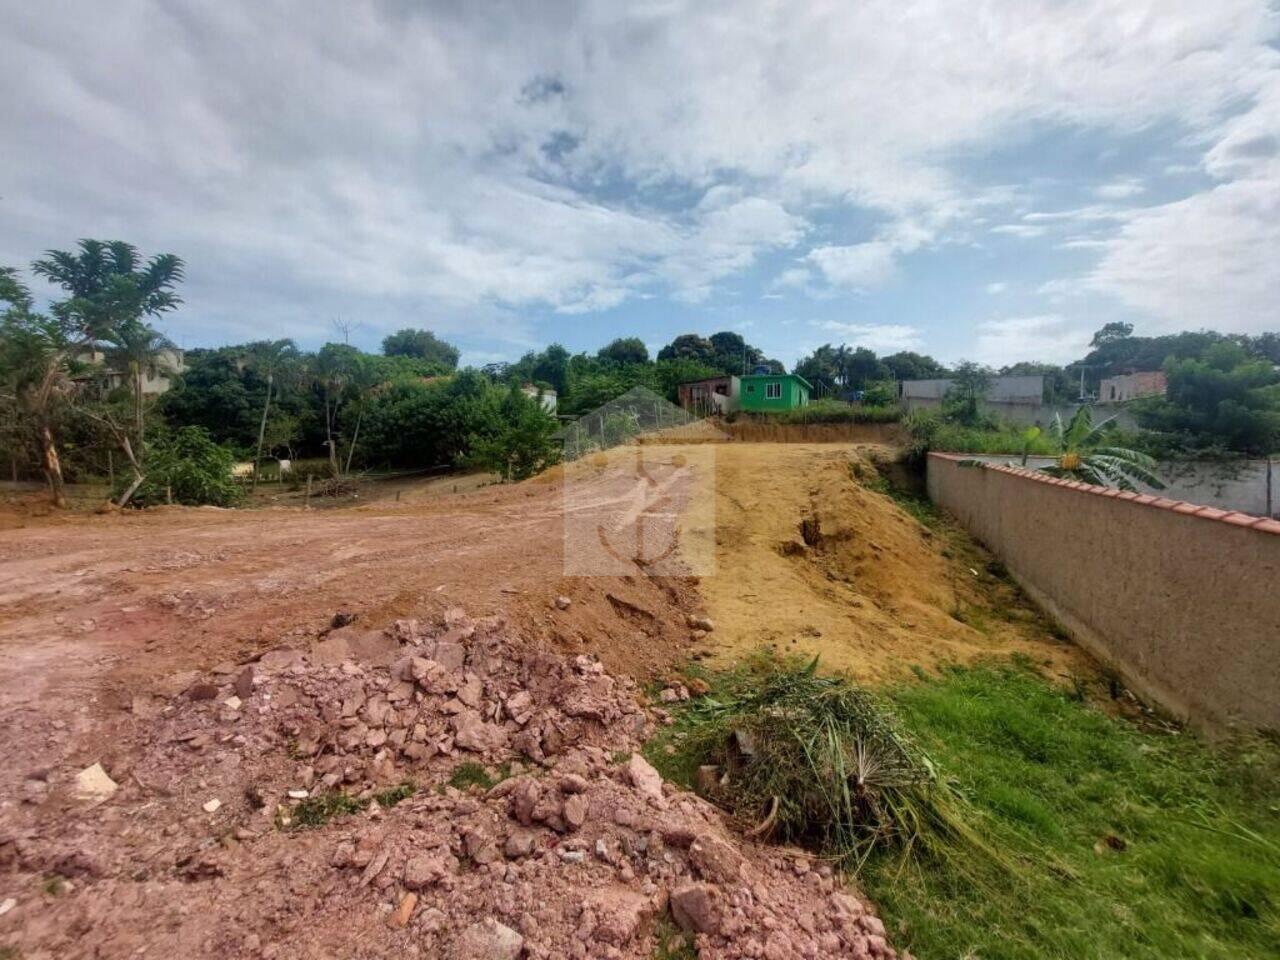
813 558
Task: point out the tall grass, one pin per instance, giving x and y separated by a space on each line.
830 411
1138 844
1002 817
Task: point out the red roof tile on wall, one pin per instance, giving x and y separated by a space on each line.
1236 519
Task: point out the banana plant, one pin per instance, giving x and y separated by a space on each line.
1080 457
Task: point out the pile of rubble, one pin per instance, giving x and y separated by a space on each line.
566 843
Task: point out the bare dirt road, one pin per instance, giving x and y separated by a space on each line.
124 640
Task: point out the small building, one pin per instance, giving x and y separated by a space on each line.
773 392
714 395
157 378
1131 386
544 395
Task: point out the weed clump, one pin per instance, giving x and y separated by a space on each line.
472 774
318 810
817 760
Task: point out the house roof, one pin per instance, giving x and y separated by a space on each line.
723 376
778 376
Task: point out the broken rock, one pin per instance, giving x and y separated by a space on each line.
93 785
488 940
643 777
696 907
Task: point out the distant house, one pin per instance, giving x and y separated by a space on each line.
712 395
1131 386
156 379
773 392
544 395
1026 391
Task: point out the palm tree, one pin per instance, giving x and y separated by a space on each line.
137 349
108 286
1080 457
269 356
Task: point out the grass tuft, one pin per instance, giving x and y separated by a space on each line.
825 765
472 774
318 810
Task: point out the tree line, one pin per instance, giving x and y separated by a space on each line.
73 402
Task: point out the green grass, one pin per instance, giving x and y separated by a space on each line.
318 810
472 774
829 411
1095 837
670 943
1051 778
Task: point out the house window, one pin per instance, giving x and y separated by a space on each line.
751 388
773 391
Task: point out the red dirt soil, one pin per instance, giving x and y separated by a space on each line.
123 638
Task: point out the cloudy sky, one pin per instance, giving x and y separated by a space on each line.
989 180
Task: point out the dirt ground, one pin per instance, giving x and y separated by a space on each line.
812 559
109 623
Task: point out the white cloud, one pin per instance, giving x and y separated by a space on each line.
1025 231
856 267
468 166
1209 260
1046 338
796 277
1121 189
880 337
995 288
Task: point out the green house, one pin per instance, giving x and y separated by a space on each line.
762 392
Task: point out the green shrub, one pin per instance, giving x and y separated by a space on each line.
189 467
833 411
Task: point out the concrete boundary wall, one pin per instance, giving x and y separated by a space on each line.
1182 600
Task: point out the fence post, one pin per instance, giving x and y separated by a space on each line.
1270 501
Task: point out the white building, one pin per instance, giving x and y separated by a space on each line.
544 395
156 379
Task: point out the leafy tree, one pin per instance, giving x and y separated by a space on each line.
1227 397
137 350
970 383
823 366
525 443
110 293
414 423
269 357
689 346
725 352
35 362
108 287
907 365
625 350
882 393
189 468
224 392
861 367
335 369
423 345
1112 333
